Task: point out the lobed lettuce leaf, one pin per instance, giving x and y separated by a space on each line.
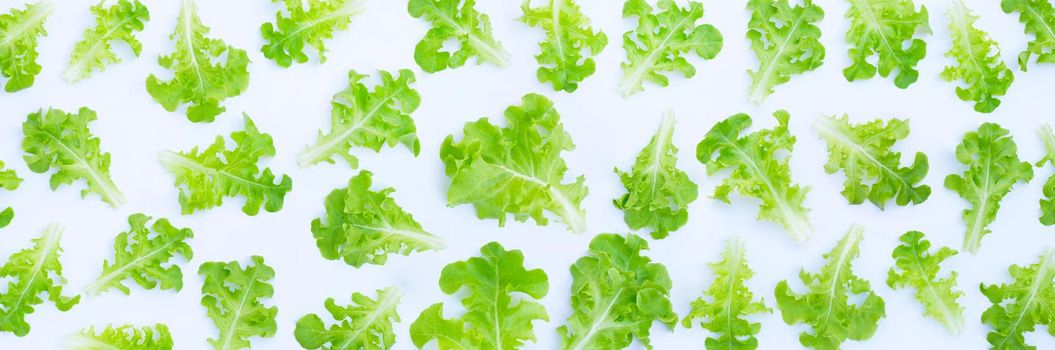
93 52
125 337
470 28
232 297
566 54
786 41
10 181
144 256
978 64
915 266
661 40
365 324
19 32
308 23
724 306
1038 18
1022 305
1047 204
881 28
31 272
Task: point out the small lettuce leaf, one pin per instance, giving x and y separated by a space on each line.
368 119
198 77
826 306
232 297
306 24
365 324
758 164
1019 307
1047 204
616 295
119 22
993 169
60 140
565 59
144 255
1038 18
19 32
661 40
500 305
978 64
516 170
9 181
363 226
126 337
658 193
31 272
470 28
915 266
205 177
873 171
880 28
724 306
786 41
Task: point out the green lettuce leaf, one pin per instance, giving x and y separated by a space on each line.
658 193
915 266
10 181
119 22
1047 204
198 77
60 140
19 32
881 28
125 337
31 272
724 306
978 64
616 295
758 164
873 171
661 40
565 58
1019 307
993 168
786 41
1038 18
306 24
516 170
205 177
144 256
365 324
500 305
470 28
363 118
232 297
363 226
826 306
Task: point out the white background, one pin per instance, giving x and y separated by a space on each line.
292 104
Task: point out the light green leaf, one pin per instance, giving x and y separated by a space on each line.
724 306
978 64
661 40
31 272
1047 204
306 24
144 255
881 28
10 181
19 32
470 28
566 54
1038 19
365 324
125 337
232 298
786 41
93 52
915 266
1019 307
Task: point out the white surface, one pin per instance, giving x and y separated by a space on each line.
292 104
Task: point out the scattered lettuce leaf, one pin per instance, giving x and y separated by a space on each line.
616 295
915 266
93 52
60 140
363 118
566 54
1019 307
144 256
308 23
786 41
125 337
1047 204
661 40
31 272
470 28
724 306
978 64
758 164
198 77
516 170
232 298
365 324
205 177
881 28
9 181
826 306
993 168
1038 18
500 305
19 32
658 193
873 171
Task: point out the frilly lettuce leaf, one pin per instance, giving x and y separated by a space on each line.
125 337
10 181
723 308
1038 17
915 266
978 64
880 28
144 255
786 41
31 272
365 324
1022 305
308 23
1047 204
19 32
232 297
470 28
119 22
565 58
661 40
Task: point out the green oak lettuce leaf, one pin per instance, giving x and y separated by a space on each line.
516 170
1022 305
363 226
144 255
1047 204
501 303
364 118
204 177
232 297
616 295
724 307
365 324
915 266
9 181
20 30
758 167
873 171
993 169
60 140
880 28
466 26
658 193
566 54
31 272
786 41
826 306
199 78
1038 19
308 23
94 52
126 337
979 68
661 40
